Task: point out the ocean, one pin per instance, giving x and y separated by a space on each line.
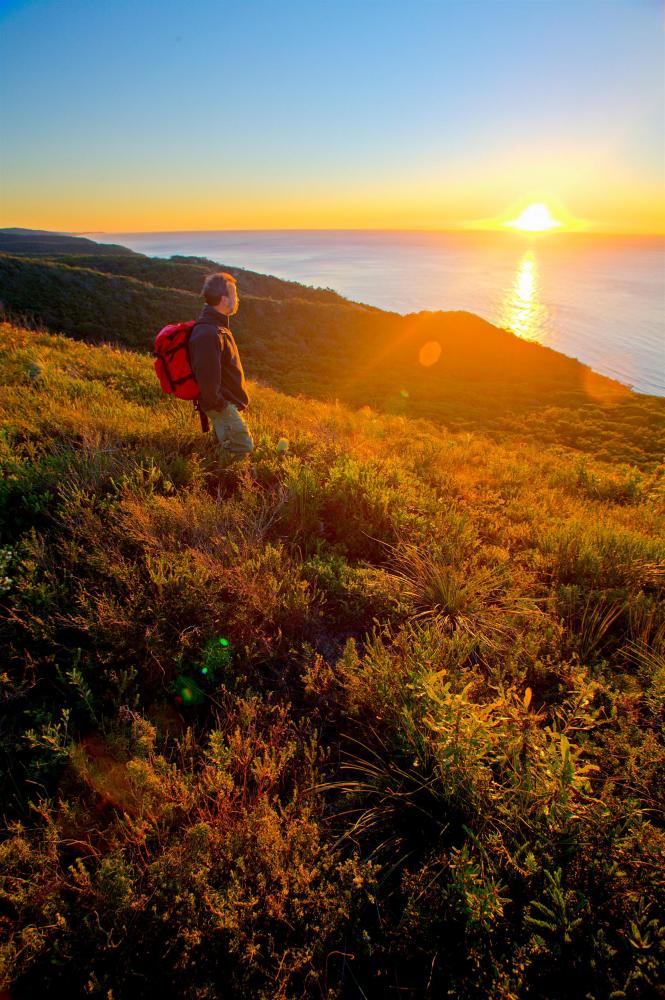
600 299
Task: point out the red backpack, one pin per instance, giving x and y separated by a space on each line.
172 364
172 360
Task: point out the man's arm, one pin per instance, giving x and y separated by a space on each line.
205 357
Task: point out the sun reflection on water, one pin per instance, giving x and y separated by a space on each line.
521 310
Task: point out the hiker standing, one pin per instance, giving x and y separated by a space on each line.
215 361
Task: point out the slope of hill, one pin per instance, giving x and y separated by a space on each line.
29 233
33 241
385 717
186 273
451 367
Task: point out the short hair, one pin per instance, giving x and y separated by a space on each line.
216 286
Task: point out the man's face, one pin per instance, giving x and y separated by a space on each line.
229 303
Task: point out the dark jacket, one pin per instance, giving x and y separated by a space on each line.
215 361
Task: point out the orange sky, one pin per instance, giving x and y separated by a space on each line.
398 204
336 115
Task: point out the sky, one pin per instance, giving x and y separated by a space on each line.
134 115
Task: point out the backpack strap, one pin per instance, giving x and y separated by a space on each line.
203 416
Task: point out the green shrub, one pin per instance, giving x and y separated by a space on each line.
385 716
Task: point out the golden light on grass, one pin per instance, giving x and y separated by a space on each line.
429 353
536 218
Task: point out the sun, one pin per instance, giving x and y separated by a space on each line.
537 218
532 218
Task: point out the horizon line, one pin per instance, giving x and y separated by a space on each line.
341 229
366 229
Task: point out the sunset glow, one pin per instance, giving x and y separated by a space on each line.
332 410
535 219
536 215
531 151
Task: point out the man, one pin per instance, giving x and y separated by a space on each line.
215 361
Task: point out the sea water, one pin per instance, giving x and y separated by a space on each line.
600 299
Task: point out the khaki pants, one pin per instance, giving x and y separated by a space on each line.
231 430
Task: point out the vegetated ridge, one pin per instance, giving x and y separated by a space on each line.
451 367
385 718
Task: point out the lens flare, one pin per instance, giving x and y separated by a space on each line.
187 691
429 353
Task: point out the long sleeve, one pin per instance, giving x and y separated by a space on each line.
205 357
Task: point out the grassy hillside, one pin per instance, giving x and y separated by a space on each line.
385 720
188 273
453 368
179 272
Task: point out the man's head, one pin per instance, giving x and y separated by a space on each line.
220 291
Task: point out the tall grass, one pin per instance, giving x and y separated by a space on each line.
385 718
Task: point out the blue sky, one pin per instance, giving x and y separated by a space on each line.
137 115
